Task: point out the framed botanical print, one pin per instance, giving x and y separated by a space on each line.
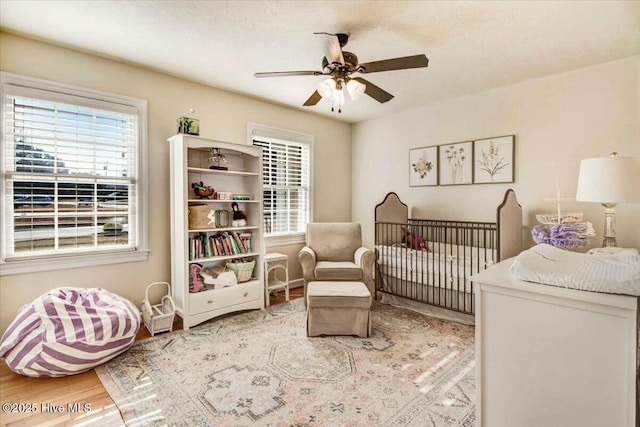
423 166
456 163
493 160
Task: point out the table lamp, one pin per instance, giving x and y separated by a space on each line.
609 181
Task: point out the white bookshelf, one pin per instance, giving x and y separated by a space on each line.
190 163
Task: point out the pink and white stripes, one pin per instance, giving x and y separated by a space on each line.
69 330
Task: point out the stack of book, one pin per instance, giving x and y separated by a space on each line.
226 243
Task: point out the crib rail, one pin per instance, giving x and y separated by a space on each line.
431 261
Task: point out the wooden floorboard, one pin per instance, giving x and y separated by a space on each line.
50 401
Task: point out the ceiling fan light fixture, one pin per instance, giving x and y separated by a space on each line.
355 89
340 65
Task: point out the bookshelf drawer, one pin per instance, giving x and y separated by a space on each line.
233 295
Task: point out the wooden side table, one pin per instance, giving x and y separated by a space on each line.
275 262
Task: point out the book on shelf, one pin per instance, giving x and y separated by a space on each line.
235 244
218 243
205 245
245 240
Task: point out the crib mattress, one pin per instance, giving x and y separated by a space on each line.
436 279
446 266
444 251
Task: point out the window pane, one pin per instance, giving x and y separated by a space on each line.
55 138
70 174
285 185
77 219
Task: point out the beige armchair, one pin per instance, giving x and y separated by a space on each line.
334 252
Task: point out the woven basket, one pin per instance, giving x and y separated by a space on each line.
551 219
158 317
243 270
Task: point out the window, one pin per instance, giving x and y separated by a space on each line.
286 170
73 176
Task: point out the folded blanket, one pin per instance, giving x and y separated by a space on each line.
580 230
616 273
541 232
565 235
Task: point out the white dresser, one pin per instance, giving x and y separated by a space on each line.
553 357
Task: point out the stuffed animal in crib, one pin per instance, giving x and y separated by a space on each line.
418 243
239 218
406 237
414 242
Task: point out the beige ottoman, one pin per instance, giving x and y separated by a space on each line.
338 308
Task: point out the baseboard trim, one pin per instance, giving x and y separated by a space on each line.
296 283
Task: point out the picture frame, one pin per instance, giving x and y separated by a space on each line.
456 163
494 158
423 166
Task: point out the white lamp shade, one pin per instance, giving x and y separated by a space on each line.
326 87
337 101
355 89
609 180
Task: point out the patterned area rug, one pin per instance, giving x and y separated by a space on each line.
260 368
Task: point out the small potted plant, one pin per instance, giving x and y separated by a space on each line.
189 125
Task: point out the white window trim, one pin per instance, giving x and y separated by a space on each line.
286 240
60 262
296 238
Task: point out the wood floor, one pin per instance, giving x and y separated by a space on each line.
52 401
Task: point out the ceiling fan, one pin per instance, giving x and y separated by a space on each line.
339 65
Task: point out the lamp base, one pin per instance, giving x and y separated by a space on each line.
609 240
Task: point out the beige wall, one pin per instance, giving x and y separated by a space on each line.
223 115
557 121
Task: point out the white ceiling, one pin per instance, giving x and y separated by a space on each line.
471 46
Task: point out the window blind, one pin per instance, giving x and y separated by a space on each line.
70 177
286 185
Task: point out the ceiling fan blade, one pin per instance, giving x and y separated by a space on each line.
313 99
416 61
374 91
289 73
332 49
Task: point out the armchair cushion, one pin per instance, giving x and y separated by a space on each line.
338 270
334 241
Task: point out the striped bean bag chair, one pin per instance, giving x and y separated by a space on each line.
69 330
